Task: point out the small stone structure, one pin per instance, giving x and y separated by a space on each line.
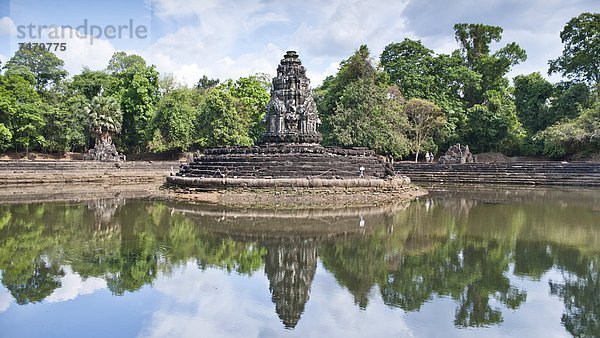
291 113
457 154
104 151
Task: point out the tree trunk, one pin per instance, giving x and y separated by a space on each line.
417 157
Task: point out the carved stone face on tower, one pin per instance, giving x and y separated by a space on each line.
291 115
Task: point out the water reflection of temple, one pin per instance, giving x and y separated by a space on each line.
290 266
292 239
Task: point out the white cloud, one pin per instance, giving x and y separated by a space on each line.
5 299
316 78
350 24
80 51
213 303
7 26
212 63
72 286
230 39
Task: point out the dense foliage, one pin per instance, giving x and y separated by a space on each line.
358 108
368 103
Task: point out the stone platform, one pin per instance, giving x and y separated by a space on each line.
286 165
582 174
285 161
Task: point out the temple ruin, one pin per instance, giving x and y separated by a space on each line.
292 112
289 153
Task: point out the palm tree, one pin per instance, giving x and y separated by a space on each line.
105 119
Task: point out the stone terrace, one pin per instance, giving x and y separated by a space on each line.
285 161
38 172
532 173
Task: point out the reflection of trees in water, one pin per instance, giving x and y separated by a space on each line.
290 266
580 292
104 212
34 284
36 240
461 249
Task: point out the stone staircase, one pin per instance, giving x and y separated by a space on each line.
525 173
285 162
36 172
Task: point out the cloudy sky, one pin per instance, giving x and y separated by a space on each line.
228 39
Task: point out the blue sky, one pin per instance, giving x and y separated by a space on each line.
229 39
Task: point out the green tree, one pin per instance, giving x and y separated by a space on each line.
569 100
105 119
532 101
580 59
493 125
90 83
206 83
475 40
64 128
137 90
571 136
425 119
174 121
236 107
252 96
5 137
47 68
359 108
219 123
441 79
21 113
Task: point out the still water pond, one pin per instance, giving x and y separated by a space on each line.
519 263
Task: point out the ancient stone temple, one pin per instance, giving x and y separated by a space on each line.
291 113
290 154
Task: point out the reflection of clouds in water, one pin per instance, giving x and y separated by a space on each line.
72 286
212 303
331 312
5 297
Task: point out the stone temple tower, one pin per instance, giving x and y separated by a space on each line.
291 115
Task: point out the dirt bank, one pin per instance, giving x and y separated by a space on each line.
298 197
280 198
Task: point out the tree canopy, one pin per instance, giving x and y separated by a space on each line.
580 59
363 105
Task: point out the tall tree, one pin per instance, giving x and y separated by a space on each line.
441 79
532 101
105 119
359 108
137 90
206 83
425 119
21 113
580 59
91 83
252 95
47 68
475 40
493 125
219 122
570 99
174 121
